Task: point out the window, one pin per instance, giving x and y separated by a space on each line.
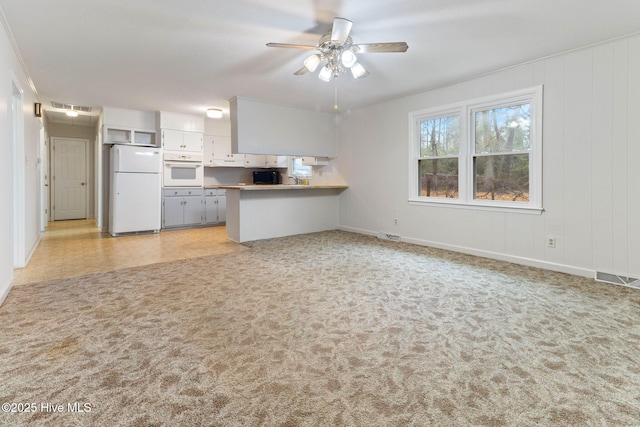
485 152
439 156
296 168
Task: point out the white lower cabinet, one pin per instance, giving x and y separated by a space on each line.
215 201
193 207
182 207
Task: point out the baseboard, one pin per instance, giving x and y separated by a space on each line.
530 262
33 249
358 231
5 293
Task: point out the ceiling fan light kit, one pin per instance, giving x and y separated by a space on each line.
339 52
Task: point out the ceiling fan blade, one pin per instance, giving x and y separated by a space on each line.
340 30
293 46
301 71
382 47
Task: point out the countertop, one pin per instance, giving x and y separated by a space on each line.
252 187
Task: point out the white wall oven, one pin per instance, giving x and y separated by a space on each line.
183 170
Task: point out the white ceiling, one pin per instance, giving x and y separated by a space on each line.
184 56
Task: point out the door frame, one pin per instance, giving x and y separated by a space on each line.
52 185
16 124
43 172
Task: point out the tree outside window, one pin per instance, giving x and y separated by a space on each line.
485 152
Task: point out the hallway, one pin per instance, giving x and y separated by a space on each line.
77 247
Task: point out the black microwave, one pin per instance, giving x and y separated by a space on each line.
268 177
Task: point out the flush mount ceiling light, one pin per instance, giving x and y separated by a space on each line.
214 113
338 51
71 112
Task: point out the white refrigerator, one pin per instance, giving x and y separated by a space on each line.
135 202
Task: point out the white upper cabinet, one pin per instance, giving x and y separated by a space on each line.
182 122
177 140
315 161
217 152
192 141
255 161
276 161
181 132
128 119
122 126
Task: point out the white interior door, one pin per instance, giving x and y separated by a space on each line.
69 178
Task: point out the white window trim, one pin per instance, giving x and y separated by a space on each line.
465 109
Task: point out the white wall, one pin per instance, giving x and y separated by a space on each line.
591 189
27 168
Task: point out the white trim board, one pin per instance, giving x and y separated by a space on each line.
576 271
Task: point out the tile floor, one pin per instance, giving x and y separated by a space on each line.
72 248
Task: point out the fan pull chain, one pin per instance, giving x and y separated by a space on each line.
335 103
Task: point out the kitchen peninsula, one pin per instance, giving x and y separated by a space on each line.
257 212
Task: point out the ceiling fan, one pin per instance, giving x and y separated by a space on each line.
336 48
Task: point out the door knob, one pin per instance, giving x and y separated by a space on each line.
82 183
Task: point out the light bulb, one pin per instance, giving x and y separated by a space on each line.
357 70
325 74
312 62
348 58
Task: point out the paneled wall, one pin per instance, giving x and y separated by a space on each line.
19 165
591 169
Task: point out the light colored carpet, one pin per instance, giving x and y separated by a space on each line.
325 329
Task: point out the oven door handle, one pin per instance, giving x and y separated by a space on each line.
183 164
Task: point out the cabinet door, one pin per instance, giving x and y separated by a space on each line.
254 161
314 161
171 121
192 141
193 210
211 209
276 161
221 147
196 124
222 206
172 215
172 140
207 149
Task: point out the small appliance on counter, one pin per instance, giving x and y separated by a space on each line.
267 177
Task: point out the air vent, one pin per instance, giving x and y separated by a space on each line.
617 280
387 236
62 106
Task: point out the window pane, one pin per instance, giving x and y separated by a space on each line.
503 130
440 137
297 168
502 177
439 178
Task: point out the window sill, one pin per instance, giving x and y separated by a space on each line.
527 210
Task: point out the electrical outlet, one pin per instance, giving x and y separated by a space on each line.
395 221
551 242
